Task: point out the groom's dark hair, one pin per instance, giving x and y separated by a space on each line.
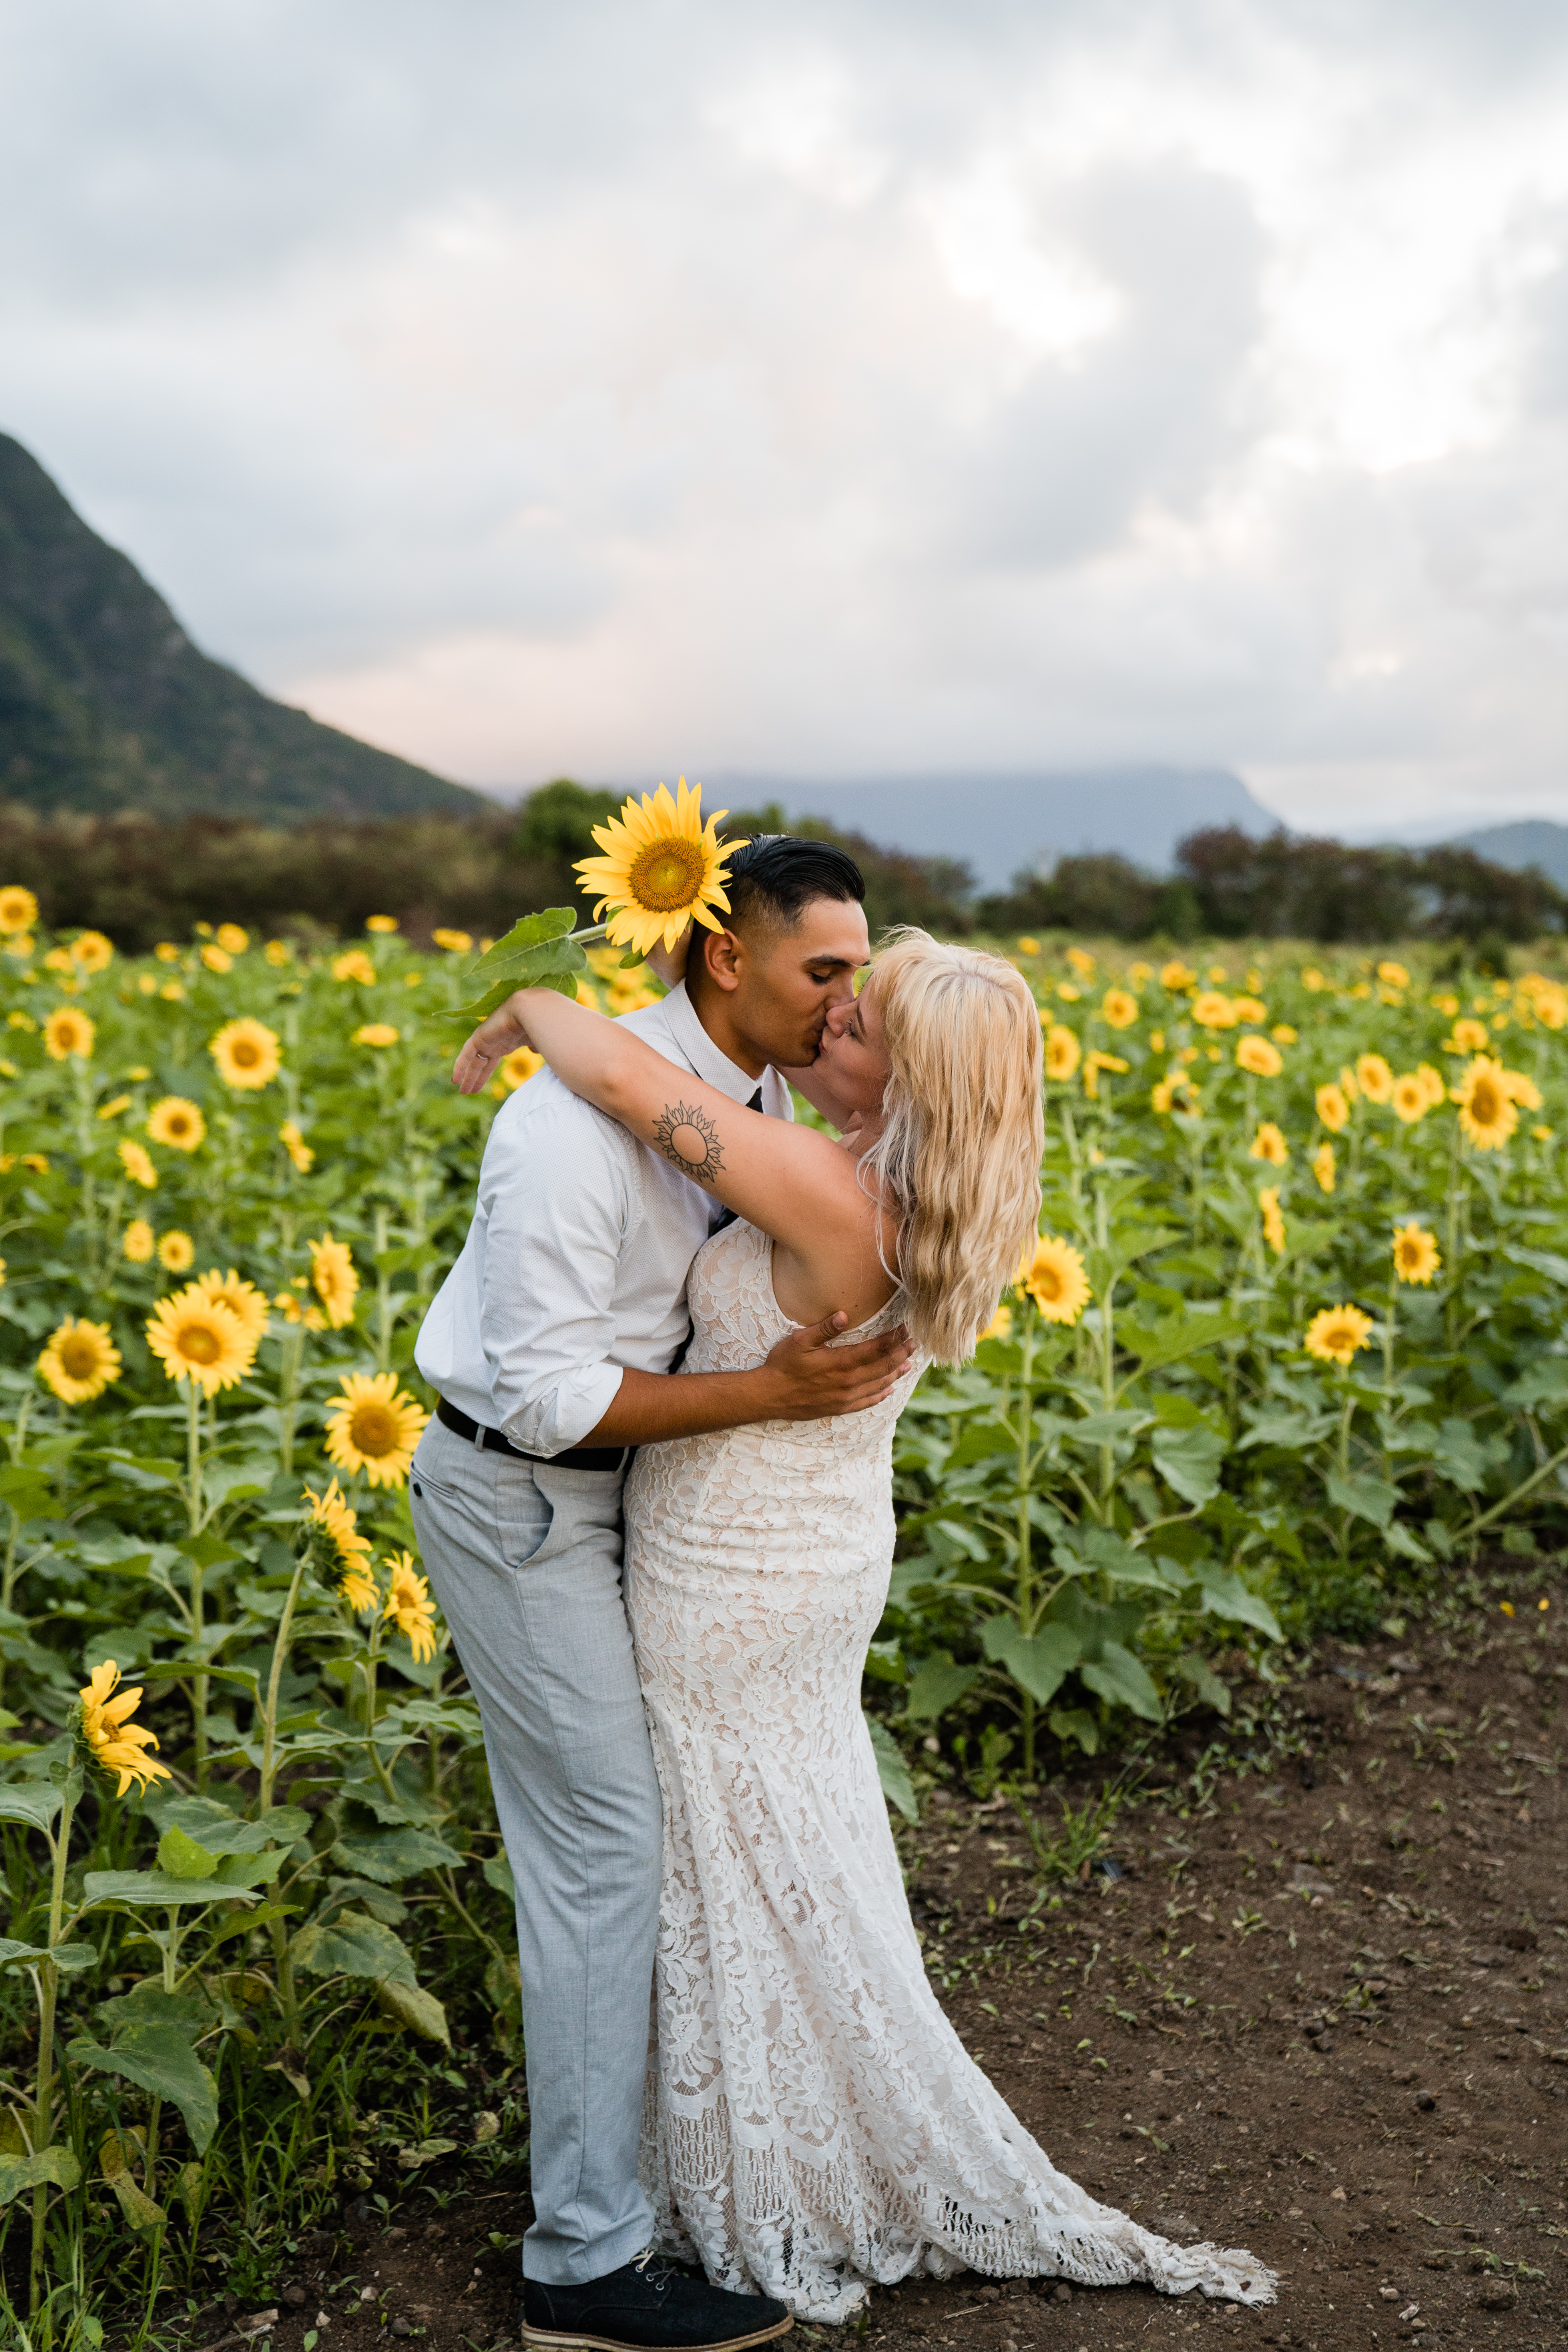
774 877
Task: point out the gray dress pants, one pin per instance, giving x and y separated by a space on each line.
525 1561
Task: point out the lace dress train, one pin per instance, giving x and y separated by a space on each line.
813 2121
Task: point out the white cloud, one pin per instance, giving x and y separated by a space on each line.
641 387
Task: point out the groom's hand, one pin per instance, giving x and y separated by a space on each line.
810 1380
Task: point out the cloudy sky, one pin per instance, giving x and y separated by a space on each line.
635 386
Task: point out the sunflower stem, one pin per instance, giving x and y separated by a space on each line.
1025 1601
194 1505
48 1982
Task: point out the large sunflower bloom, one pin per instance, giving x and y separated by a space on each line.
1063 1053
246 1054
339 1525
1257 1055
18 909
1488 1112
1335 1333
1055 1279
1332 1108
334 1280
242 1299
409 1606
1374 1077
1213 1010
1411 1099
116 1742
661 868
90 952
374 1426
1416 1257
177 1122
68 1032
198 1338
80 1361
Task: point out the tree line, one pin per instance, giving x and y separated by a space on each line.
141 881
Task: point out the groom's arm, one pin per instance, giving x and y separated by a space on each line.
804 1379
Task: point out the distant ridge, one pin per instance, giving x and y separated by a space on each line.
1001 822
1534 841
106 707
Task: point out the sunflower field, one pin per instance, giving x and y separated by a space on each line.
1288 1349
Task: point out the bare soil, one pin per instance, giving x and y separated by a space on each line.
1321 2014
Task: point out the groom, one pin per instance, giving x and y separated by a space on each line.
551 1344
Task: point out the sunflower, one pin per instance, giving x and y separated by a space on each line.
1411 1100
409 1606
295 1145
1521 1090
201 1339
1394 975
341 1526
90 952
1348 1086
1063 1051
1469 1037
374 1426
1269 1144
1120 1007
1081 961
1374 1077
176 1252
1001 1324
354 965
1332 1108
177 1122
137 1162
1213 1010
116 1743
1176 1093
381 923
375 1033
454 942
1028 947
1416 1257
1322 1165
68 1032
278 952
1273 1223
1548 1000
1175 976
517 1067
137 1241
1335 1333
1258 1056
1249 1008
1283 1034
1436 1086
1093 1065
233 938
335 1281
1055 1279
80 1361
18 909
246 1054
1488 1112
661 868
242 1299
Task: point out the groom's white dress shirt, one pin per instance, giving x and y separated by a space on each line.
577 1261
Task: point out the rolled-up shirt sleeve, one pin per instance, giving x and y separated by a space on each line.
563 1201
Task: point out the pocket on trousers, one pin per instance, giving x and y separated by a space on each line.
523 1519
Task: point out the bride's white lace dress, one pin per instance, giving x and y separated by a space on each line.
813 2120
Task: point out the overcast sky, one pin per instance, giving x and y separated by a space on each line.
628 389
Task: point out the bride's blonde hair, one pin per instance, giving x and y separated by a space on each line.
963 1134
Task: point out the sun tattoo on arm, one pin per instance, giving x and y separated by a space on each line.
687 1136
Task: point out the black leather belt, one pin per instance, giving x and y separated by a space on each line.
495 1440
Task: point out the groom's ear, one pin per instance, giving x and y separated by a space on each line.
722 957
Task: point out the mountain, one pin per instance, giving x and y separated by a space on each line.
1534 841
1000 822
106 705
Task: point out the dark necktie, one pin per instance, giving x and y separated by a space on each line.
727 1216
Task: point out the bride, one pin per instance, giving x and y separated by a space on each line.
813 2121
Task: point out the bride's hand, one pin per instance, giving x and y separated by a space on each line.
670 963
488 1047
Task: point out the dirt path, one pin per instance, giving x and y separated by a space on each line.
1324 2015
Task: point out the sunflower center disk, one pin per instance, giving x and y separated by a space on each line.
375 1430
667 876
200 1344
79 1359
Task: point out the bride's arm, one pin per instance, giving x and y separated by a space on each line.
788 1180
